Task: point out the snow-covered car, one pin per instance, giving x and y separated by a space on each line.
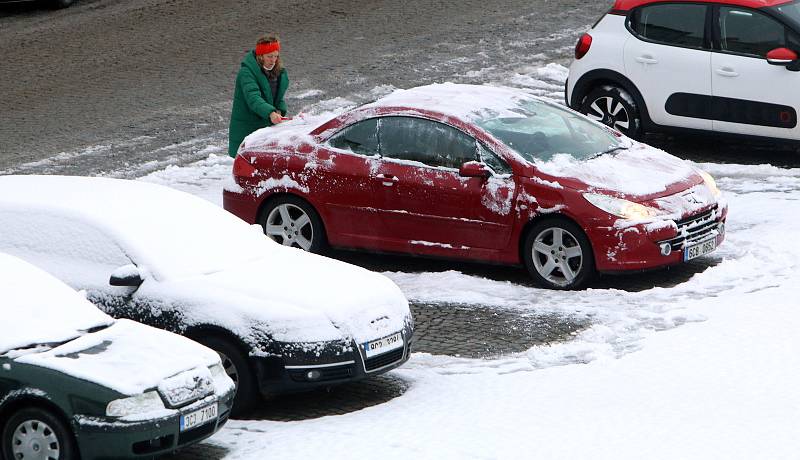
481 173
75 383
283 320
727 67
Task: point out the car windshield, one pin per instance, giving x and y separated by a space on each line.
40 311
538 130
790 12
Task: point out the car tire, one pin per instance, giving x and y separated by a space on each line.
42 430
614 107
558 255
238 369
292 221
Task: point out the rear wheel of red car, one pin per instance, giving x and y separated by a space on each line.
614 107
34 433
291 221
558 255
237 368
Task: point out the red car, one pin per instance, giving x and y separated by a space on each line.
477 173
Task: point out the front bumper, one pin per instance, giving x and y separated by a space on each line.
640 246
109 438
282 375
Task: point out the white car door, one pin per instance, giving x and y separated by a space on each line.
669 61
750 95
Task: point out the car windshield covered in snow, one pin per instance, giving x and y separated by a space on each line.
537 131
39 310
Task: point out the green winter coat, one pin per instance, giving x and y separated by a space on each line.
252 101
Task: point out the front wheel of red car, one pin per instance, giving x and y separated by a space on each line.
291 221
34 433
558 255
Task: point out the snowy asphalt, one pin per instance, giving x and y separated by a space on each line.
144 88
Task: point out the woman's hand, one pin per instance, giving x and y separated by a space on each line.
275 117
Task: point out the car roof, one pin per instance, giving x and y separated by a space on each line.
175 233
625 5
38 308
462 101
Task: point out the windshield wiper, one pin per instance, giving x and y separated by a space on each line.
605 152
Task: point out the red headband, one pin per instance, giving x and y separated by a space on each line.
266 48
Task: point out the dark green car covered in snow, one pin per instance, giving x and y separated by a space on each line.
75 383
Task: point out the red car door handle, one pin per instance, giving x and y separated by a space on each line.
387 179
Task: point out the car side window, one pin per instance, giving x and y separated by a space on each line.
490 159
361 138
429 142
749 32
671 24
72 250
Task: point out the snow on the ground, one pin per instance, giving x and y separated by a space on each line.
705 369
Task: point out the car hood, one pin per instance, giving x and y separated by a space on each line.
127 357
294 296
639 173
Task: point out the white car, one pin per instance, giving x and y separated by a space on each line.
282 319
75 383
724 66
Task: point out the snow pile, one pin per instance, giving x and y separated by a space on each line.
38 309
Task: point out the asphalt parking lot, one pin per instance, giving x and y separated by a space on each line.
139 77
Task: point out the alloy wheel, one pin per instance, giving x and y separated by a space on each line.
289 225
230 369
34 439
610 111
557 256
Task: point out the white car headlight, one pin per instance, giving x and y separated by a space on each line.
622 208
217 370
710 182
140 404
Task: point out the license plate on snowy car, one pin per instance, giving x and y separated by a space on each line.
198 417
699 249
381 346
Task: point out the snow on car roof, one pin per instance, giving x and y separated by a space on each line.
469 102
36 308
171 233
625 5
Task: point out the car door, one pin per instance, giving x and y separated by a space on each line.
669 61
750 95
426 201
347 186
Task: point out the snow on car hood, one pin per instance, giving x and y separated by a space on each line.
36 308
296 296
127 357
639 171
287 134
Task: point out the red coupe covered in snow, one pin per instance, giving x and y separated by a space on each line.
479 173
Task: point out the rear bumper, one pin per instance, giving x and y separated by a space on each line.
278 376
242 205
107 438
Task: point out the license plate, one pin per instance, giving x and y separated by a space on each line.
198 417
699 249
381 346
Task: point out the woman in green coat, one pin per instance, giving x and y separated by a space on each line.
260 86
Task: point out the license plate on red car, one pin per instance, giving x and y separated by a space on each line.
199 417
700 249
381 346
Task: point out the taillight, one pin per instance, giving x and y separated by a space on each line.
583 45
242 167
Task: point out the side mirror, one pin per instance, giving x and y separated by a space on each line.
474 169
783 57
128 275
